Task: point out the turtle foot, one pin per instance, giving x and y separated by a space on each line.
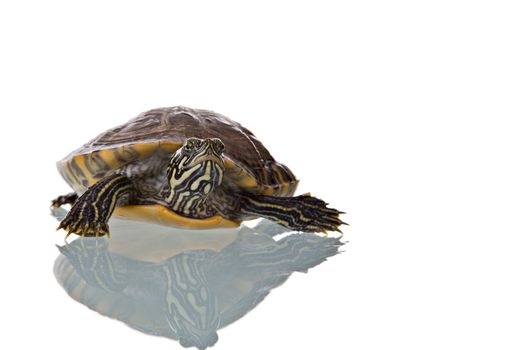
316 216
81 220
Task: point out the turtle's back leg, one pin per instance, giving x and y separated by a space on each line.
91 212
300 213
69 198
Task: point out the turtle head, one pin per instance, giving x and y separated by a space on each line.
194 171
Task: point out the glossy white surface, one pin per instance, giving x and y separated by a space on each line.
185 285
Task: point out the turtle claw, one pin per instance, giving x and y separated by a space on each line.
320 217
67 235
82 226
85 219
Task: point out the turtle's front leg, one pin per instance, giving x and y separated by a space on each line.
299 213
90 213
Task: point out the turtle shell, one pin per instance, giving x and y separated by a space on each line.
248 163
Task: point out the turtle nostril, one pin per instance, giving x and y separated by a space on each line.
218 146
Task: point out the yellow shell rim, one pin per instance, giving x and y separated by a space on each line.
158 214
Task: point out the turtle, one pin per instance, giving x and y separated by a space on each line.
187 168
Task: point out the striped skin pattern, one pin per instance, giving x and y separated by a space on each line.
193 173
90 213
301 213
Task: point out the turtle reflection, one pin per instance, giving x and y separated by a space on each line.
184 285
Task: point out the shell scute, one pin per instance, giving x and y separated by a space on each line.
162 131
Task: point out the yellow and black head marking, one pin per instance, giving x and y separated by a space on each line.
183 167
194 171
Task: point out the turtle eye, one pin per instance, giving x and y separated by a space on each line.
188 146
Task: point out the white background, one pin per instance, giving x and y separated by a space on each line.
406 114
